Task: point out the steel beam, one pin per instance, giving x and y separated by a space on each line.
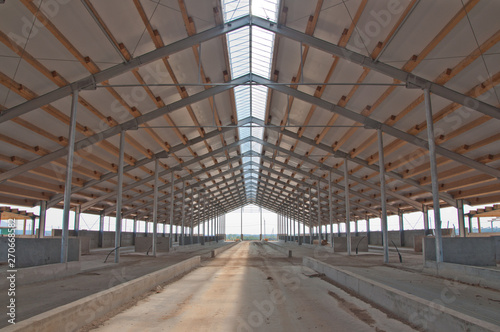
374 124
90 81
410 79
128 125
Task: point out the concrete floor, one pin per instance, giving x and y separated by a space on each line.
252 287
36 298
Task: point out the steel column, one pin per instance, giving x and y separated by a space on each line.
347 207
101 231
383 217
319 214
42 219
172 198
401 230
134 230
261 223
78 210
330 207
241 226
434 176
183 214
69 177
461 218
119 197
155 206
310 217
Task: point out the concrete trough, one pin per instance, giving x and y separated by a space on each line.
474 275
214 253
404 305
279 248
73 316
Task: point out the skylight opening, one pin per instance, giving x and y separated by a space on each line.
250 52
267 9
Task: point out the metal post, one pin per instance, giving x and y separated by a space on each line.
319 214
470 223
461 218
69 176
119 196
310 217
330 205
434 176
368 229
425 213
42 219
191 207
101 230
356 232
294 222
241 226
347 207
401 229
134 230
261 223
183 211
155 206
304 221
203 217
172 198
383 217
78 210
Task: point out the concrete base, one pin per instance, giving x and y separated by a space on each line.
35 252
84 245
144 244
404 305
279 248
214 253
473 275
41 273
73 316
479 251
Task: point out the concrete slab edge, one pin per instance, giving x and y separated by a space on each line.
74 315
475 275
279 248
220 250
428 315
29 275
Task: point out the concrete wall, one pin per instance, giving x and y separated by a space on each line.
340 244
497 246
458 250
144 244
29 275
34 252
127 238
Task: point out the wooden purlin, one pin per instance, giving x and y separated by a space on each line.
156 37
468 60
311 25
84 61
344 39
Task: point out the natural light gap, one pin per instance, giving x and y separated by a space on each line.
250 51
